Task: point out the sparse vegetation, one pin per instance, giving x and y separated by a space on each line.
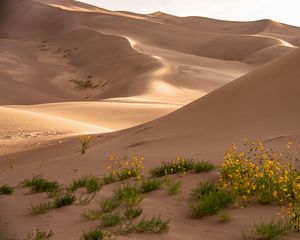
63 199
172 186
129 194
133 212
95 234
92 215
154 225
203 166
85 141
41 208
109 204
149 185
91 183
39 184
224 217
84 84
111 219
122 169
6 189
40 235
208 199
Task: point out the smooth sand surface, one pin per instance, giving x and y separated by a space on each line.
152 84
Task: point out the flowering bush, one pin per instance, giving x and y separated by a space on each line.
122 169
261 173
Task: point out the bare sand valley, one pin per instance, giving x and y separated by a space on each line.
156 85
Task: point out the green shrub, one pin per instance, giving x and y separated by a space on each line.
5 189
203 189
85 141
154 225
92 215
272 230
150 185
172 186
95 234
40 184
224 217
203 166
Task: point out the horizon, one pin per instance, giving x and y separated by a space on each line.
231 10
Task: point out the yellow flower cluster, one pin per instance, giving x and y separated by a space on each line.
260 173
122 169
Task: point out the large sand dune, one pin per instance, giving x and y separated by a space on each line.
152 84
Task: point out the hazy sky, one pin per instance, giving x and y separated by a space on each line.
286 11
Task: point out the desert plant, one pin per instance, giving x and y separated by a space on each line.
154 225
203 166
211 203
85 141
172 186
6 189
111 219
40 235
41 208
40 184
63 199
272 230
95 234
109 204
133 212
149 185
203 189
224 217
128 194
91 183
92 215
122 169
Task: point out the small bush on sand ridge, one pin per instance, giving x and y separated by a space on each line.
85 141
91 183
40 235
149 185
6 189
95 234
39 184
153 225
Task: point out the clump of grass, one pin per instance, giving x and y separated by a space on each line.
85 141
41 208
211 203
203 166
111 219
95 234
154 225
64 199
129 194
92 215
272 230
150 185
40 235
109 204
39 184
133 212
172 186
203 189
91 183
180 166
224 217
6 189
109 178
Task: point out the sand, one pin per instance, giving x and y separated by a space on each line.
153 84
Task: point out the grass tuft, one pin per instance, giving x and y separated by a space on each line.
203 166
92 215
150 185
154 225
91 183
39 184
64 199
5 189
224 217
272 230
203 189
85 142
41 208
95 234
172 186
128 194
111 219
40 235
133 212
109 204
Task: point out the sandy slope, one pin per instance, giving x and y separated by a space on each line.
136 68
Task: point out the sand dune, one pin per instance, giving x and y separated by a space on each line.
152 84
